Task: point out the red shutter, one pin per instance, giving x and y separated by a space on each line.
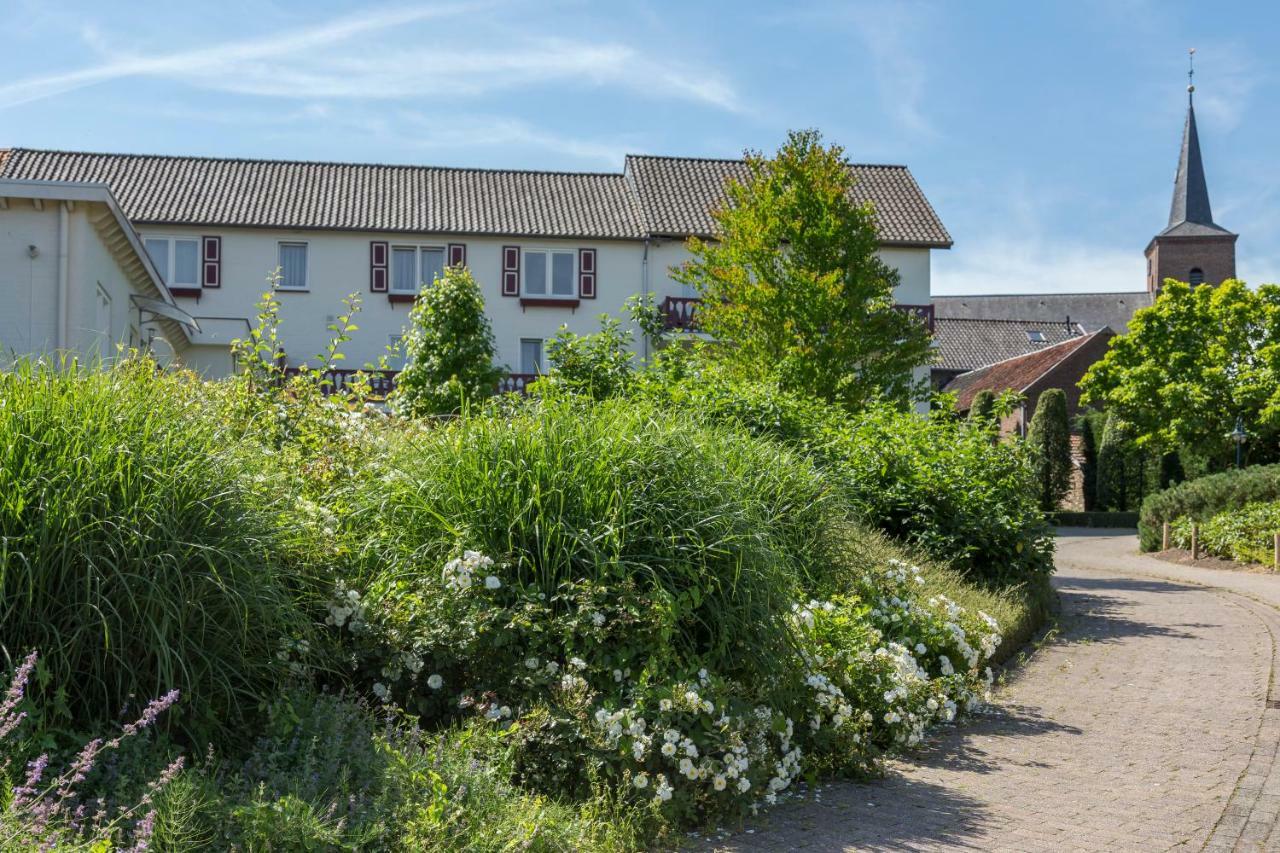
510 270
457 254
378 256
211 252
586 273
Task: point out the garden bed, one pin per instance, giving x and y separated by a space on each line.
1182 557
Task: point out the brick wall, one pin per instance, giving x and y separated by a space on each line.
1174 257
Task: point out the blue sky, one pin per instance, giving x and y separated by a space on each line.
1046 134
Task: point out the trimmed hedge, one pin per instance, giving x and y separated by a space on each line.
1093 519
1206 497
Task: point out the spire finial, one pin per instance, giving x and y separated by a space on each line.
1191 75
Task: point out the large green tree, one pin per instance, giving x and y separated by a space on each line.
1190 364
1049 439
793 287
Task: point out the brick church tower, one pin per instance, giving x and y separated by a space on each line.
1193 248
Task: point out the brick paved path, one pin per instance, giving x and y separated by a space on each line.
1141 726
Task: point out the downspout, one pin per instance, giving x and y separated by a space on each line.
644 293
64 275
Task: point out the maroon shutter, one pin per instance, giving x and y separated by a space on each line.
457 254
378 253
586 273
211 252
510 270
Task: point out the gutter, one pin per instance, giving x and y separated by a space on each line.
64 275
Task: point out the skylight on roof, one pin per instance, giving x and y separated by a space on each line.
1035 336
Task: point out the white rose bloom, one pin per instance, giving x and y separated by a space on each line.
744 785
668 749
719 783
491 582
640 780
434 681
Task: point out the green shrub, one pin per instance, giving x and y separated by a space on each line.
1049 441
937 482
982 410
133 553
1089 463
1245 535
1205 497
449 348
596 365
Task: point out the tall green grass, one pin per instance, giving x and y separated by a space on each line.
724 530
131 554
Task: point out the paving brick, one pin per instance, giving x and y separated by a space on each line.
1140 727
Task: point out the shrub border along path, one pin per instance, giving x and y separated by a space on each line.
1143 723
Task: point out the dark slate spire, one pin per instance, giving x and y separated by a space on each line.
1190 192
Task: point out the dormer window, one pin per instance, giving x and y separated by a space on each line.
1196 276
1035 336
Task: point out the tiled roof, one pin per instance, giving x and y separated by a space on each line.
967 344
1017 374
655 195
677 195
347 196
1091 310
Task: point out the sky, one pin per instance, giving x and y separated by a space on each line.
1044 133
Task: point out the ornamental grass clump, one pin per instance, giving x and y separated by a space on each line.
132 552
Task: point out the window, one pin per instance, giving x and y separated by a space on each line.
293 266
531 355
177 259
415 266
1035 336
550 273
1196 276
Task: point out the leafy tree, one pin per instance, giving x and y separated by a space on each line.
449 348
793 288
982 409
596 365
1049 439
1089 464
1191 363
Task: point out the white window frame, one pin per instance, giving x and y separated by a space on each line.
167 275
418 249
306 266
542 355
524 273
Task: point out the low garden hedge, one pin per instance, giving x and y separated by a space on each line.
1093 519
1205 497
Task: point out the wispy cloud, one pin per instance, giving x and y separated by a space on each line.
341 59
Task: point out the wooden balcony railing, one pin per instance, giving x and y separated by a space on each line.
381 382
920 312
679 313
516 383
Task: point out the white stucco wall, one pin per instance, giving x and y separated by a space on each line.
29 286
338 264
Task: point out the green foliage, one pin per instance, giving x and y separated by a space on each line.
793 286
982 409
1089 464
449 349
134 552
1191 363
596 365
935 482
1205 497
1171 470
1049 441
1244 534
1113 481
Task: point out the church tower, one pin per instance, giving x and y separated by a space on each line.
1193 248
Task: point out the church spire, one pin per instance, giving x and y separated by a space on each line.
1190 191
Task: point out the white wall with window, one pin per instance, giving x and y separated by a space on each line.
550 273
177 259
531 356
415 267
293 266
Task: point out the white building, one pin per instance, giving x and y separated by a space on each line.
548 248
75 278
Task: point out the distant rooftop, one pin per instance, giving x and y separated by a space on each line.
966 343
1091 311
